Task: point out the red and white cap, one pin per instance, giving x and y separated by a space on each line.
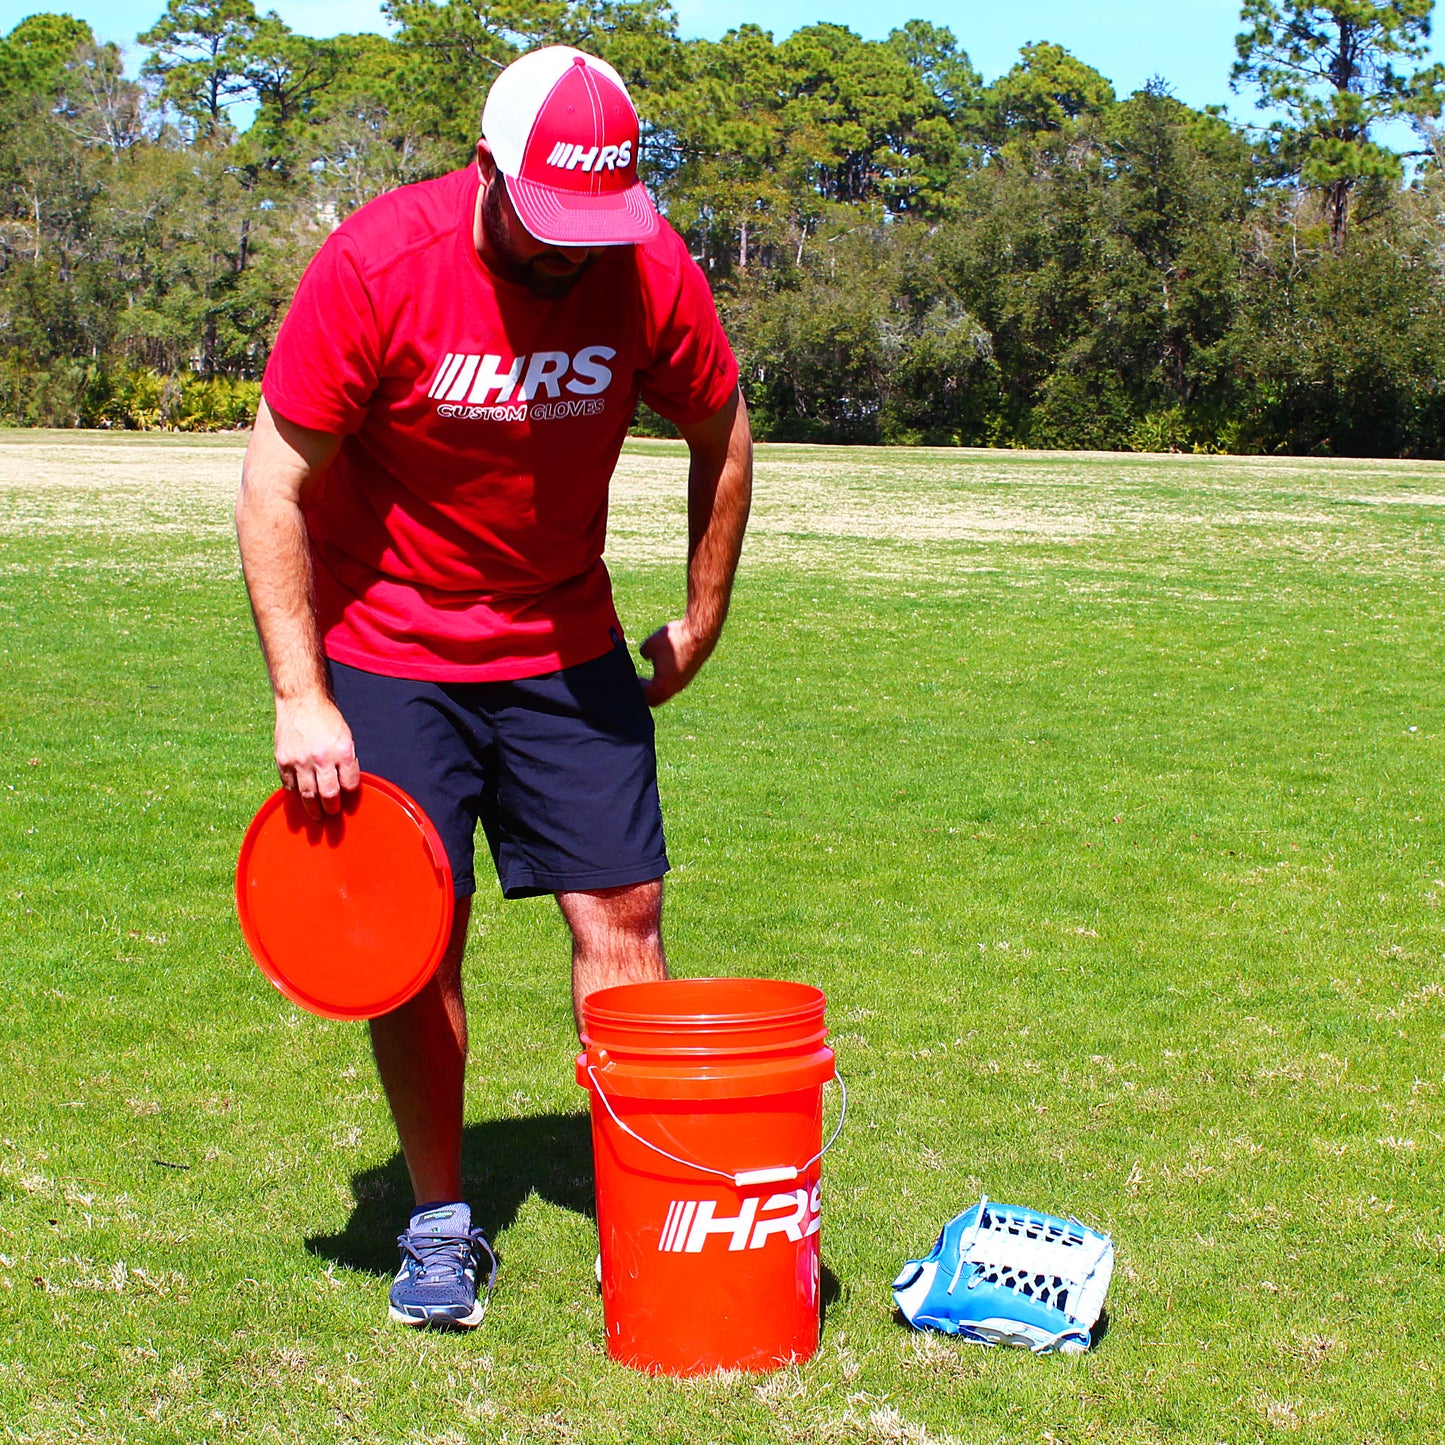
564 133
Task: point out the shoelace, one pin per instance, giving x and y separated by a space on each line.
447 1254
966 1243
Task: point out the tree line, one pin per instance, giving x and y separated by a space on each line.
901 252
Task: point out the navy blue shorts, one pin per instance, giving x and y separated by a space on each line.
560 770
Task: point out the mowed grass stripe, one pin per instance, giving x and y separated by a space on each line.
1100 794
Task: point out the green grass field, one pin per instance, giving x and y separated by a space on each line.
1101 794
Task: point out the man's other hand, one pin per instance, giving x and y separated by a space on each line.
314 753
676 656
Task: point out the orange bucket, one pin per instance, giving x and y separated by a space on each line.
707 1129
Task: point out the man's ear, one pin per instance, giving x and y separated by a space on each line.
486 165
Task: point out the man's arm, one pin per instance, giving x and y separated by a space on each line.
719 492
314 751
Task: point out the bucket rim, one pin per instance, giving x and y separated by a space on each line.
681 1004
686 1082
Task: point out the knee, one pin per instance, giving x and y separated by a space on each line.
611 919
448 976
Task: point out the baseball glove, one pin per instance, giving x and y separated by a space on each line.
1001 1274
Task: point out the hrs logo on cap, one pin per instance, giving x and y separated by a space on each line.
566 157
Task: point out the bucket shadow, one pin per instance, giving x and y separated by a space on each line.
830 1291
504 1161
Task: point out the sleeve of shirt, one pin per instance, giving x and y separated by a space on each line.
323 368
693 371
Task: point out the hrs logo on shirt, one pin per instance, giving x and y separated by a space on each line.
545 386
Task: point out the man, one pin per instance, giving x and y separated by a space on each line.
421 519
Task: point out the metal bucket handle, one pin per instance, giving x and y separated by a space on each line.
743 1178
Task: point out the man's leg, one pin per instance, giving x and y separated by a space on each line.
428 741
421 1055
616 937
447 1266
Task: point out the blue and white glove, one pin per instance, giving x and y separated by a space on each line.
1001 1274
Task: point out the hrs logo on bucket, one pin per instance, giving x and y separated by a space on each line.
690 1223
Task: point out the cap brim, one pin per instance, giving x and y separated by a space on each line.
564 218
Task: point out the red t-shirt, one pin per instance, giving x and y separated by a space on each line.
458 535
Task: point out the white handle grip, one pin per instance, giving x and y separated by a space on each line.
745 1177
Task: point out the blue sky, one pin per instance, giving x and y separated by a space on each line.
1188 42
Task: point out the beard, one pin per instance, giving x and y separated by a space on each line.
510 265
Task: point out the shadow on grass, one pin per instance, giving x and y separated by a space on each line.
830 1291
503 1162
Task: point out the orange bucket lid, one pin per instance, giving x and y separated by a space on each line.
348 914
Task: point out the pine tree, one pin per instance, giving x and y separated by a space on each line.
1330 66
